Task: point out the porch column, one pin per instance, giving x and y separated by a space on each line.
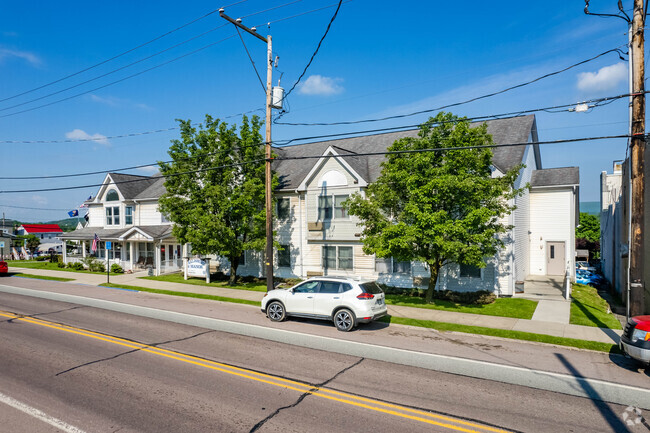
65 252
83 249
156 259
132 253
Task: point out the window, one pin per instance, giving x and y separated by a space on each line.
128 215
337 257
113 216
242 259
552 251
391 265
469 271
308 287
329 287
324 208
163 218
112 195
284 208
284 256
332 206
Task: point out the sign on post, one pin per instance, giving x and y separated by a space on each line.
198 268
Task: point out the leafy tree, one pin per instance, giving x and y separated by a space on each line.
589 227
215 188
437 207
31 242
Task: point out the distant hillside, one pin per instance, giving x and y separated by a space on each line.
590 207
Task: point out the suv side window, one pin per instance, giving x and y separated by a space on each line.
329 287
308 287
345 287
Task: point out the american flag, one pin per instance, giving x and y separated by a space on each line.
95 241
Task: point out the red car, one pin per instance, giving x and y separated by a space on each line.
3 267
635 340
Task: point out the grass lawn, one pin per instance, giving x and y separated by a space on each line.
589 309
41 277
504 333
185 294
178 278
504 307
33 264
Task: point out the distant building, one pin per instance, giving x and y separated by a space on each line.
49 235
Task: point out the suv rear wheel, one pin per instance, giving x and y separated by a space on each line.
344 320
275 311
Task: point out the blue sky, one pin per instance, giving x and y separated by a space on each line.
379 59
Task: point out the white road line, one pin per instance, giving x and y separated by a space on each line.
32 411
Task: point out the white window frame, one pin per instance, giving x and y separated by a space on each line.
286 250
277 209
332 207
337 257
112 221
126 215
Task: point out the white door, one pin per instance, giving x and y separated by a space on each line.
328 297
555 258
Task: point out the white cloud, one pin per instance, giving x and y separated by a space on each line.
150 169
606 78
319 85
25 55
39 199
113 101
80 134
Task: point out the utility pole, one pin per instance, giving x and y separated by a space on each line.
637 163
268 256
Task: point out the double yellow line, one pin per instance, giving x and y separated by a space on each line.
341 397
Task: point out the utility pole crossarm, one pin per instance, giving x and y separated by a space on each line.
238 23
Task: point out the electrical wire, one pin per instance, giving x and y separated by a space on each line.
117 81
251 59
202 170
270 9
33 208
115 57
113 71
443 149
455 104
492 116
89 173
303 13
329 25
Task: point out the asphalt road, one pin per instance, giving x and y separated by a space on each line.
72 368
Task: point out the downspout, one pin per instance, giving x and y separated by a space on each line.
300 247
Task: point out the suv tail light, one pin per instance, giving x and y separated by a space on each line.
365 295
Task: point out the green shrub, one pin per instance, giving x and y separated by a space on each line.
41 258
481 297
97 266
77 266
60 264
116 269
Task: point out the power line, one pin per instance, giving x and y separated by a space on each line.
32 208
117 81
89 173
303 13
65 188
114 57
442 149
112 137
251 59
329 25
399 116
269 9
111 72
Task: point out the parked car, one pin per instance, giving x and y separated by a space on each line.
343 300
3 267
590 278
635 341
584 266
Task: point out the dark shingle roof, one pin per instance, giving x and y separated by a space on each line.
293 172
155 190
88 233
130 185
556 177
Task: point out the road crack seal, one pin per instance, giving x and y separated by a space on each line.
257 426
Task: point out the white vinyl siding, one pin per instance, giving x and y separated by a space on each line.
551 213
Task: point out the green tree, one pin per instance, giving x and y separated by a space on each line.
31 242
215 188
589 227
437 207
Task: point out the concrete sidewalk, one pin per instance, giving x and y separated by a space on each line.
557 329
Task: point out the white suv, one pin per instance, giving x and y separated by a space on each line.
345 301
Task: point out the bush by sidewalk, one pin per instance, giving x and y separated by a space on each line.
588 308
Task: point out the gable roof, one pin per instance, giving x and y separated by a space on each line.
42 228
154 190
511 130
563 176
130 185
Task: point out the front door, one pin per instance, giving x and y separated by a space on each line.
555 258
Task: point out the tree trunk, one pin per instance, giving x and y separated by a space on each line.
434 268
234 263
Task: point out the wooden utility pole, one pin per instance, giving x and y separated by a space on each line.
268 256
637 163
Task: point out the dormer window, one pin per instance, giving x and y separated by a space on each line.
112 195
